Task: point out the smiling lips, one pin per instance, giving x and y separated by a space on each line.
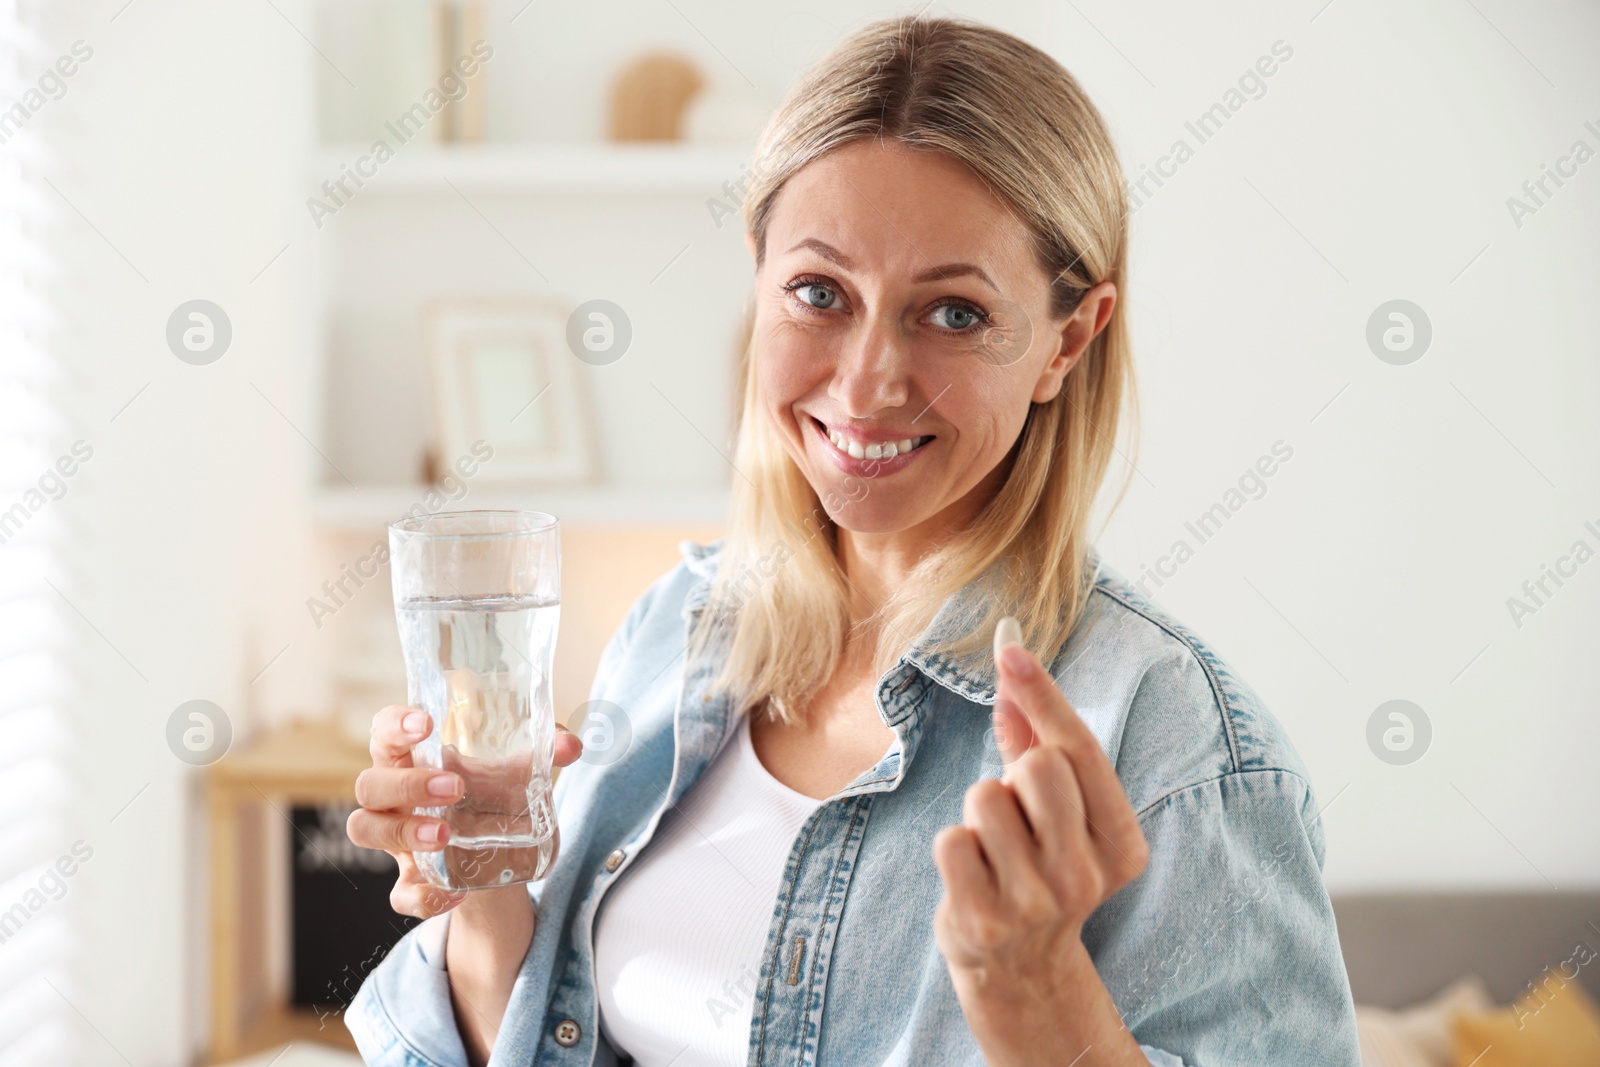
846 447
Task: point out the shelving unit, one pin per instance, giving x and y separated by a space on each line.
534 205
542 211
552 168
406 238
340 508
447 222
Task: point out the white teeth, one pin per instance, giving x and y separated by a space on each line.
876 450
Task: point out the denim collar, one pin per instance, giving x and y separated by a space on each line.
972 678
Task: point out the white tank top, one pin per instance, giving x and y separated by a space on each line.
678 940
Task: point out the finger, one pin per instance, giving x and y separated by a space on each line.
569 746
1043 804
1047 789
413 895
966 874
393 788
436 896
990 810
1028 688
394 730
396 833
1105 805
417 890
1012 734
968 922
1112 824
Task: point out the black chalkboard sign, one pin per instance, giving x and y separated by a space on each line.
342 923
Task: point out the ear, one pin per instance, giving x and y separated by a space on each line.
750 243
1081 327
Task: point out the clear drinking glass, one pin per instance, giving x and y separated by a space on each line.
477 596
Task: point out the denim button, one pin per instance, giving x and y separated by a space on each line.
567 1033
614 860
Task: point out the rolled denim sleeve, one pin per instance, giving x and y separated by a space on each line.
411 984
1225 951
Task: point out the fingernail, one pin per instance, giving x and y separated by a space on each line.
442 785
415 723
428 833
1017 660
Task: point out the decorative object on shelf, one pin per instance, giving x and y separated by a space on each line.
392 40
420 66
650 96
500 373
460 30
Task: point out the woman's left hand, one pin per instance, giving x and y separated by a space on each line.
1039 849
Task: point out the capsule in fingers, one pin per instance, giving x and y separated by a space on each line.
1007 632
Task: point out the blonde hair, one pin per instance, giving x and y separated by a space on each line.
1024 126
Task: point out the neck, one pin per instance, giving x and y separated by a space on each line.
877 564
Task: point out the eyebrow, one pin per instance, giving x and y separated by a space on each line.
932 274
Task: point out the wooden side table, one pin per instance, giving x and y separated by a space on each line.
306 762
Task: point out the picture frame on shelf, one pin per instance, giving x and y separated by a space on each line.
499 371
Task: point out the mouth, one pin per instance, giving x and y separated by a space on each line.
860 457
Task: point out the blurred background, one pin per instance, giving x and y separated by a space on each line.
275 272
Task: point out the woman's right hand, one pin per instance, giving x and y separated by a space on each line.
387 792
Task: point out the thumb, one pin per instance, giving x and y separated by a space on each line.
1013 732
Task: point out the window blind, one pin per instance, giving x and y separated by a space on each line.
36 1017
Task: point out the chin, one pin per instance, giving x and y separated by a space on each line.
863 515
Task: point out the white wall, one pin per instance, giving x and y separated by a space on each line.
1413 506
181 143
1378 563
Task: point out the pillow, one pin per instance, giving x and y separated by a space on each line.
1418 1036
1557 1025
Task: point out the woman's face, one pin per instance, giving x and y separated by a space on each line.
902 330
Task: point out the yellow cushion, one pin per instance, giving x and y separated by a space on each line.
1555 1025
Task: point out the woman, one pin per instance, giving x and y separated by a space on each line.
844 831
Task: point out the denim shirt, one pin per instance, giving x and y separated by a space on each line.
1223 952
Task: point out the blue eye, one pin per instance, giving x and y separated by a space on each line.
821 297
958 317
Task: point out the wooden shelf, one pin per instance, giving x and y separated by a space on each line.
279 1025
304 761
308 755
371 508
674 168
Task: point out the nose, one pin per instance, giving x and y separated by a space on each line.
873 372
